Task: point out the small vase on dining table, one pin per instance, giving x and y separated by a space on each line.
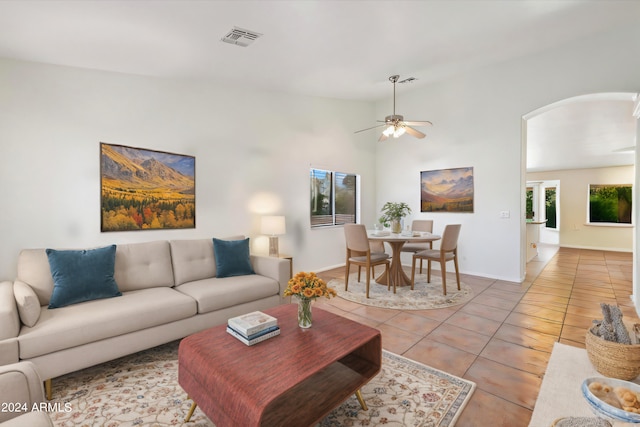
304 312
396 226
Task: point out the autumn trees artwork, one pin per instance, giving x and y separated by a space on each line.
145 189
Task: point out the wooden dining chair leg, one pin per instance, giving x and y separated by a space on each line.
359 270
455 264
413 271
389 278
346 275
368 278
428 271
394 285
443 272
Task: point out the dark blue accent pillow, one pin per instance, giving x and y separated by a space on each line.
82 275
232 257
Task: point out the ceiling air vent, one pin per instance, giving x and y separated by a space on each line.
240 37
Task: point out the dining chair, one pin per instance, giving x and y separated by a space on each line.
448 252
359 253
422 225
377 247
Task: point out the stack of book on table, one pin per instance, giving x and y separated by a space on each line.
253 328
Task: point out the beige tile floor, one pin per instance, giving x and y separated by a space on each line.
502 338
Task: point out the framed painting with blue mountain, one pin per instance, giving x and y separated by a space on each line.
446 190
144 189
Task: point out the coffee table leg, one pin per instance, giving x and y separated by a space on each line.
361 400
193 408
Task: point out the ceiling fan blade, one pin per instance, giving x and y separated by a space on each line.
373 127
383 137
411 131
418 123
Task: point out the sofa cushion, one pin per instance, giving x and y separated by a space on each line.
82 275
33 269
215 294
232 257
143 265
192 260
96 320
27 302
138 266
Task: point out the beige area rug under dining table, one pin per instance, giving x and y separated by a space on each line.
560 394
143 390
424 296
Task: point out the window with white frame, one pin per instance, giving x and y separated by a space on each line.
334 198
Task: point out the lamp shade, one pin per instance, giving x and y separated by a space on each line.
273 225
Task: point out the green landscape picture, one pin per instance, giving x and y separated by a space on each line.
610 203
145 189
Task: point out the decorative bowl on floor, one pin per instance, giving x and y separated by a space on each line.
613 359
605 410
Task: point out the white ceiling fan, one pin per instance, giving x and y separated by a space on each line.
395 125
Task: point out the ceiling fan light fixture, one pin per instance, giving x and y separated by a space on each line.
389 130
395 125
400 130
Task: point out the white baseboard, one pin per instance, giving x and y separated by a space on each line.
593 248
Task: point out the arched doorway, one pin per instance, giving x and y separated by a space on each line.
584 135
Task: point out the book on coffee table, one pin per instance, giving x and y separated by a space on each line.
257 334
259 337
251 323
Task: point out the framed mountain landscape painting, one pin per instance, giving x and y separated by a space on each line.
446 190
145 189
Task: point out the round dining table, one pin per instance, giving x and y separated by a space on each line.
397 241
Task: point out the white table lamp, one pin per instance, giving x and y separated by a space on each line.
273 225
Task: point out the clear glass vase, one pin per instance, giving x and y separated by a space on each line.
304 312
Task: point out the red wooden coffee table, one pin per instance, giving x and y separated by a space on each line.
295 378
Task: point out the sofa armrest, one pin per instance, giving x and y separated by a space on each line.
275 268
9 317
9 351
20 384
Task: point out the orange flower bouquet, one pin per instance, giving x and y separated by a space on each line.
307 287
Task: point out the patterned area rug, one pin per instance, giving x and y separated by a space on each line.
424 296
142 390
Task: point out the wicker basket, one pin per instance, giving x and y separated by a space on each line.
611 359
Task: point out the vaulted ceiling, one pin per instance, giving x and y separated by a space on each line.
341 49
586 132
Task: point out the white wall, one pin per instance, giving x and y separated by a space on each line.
251 144
574 187
253 153
477 120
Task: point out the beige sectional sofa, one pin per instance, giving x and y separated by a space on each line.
169 290
21 396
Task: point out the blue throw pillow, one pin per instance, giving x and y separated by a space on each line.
82 275
232 257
